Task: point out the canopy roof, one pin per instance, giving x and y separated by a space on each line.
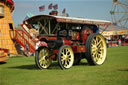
69 20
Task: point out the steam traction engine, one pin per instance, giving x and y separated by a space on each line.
65 39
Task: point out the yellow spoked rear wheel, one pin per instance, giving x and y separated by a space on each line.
96 49
43 59
65 57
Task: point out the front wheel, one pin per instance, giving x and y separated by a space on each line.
96 49
42 58
65 57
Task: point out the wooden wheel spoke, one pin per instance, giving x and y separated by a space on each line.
41 54
94 41
69 60
62 53
96 59
43 64
93 48
99 55
93 51
95 55
99 52
68 56
68 53
99 42
93 45
66 63
99 46
97 39
40 62
62 58
62 61
41 59
48 60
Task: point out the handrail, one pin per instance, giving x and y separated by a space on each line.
23 38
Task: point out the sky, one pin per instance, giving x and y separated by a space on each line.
90 9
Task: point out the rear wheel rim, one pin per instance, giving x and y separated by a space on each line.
98 49
44 59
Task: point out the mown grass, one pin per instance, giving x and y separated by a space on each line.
22 71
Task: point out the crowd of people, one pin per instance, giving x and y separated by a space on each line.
120 41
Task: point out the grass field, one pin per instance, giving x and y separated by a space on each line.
22 71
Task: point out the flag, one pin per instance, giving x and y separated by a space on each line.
64 10
55 6
42 8
50 6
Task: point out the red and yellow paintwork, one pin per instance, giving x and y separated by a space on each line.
4 53
77 42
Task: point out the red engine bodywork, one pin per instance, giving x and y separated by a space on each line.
77 42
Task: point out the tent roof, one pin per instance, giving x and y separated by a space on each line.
112 28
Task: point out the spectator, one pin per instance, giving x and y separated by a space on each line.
119 42
107 43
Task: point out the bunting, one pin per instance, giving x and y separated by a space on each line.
55 6
64 10
50 6
42 8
